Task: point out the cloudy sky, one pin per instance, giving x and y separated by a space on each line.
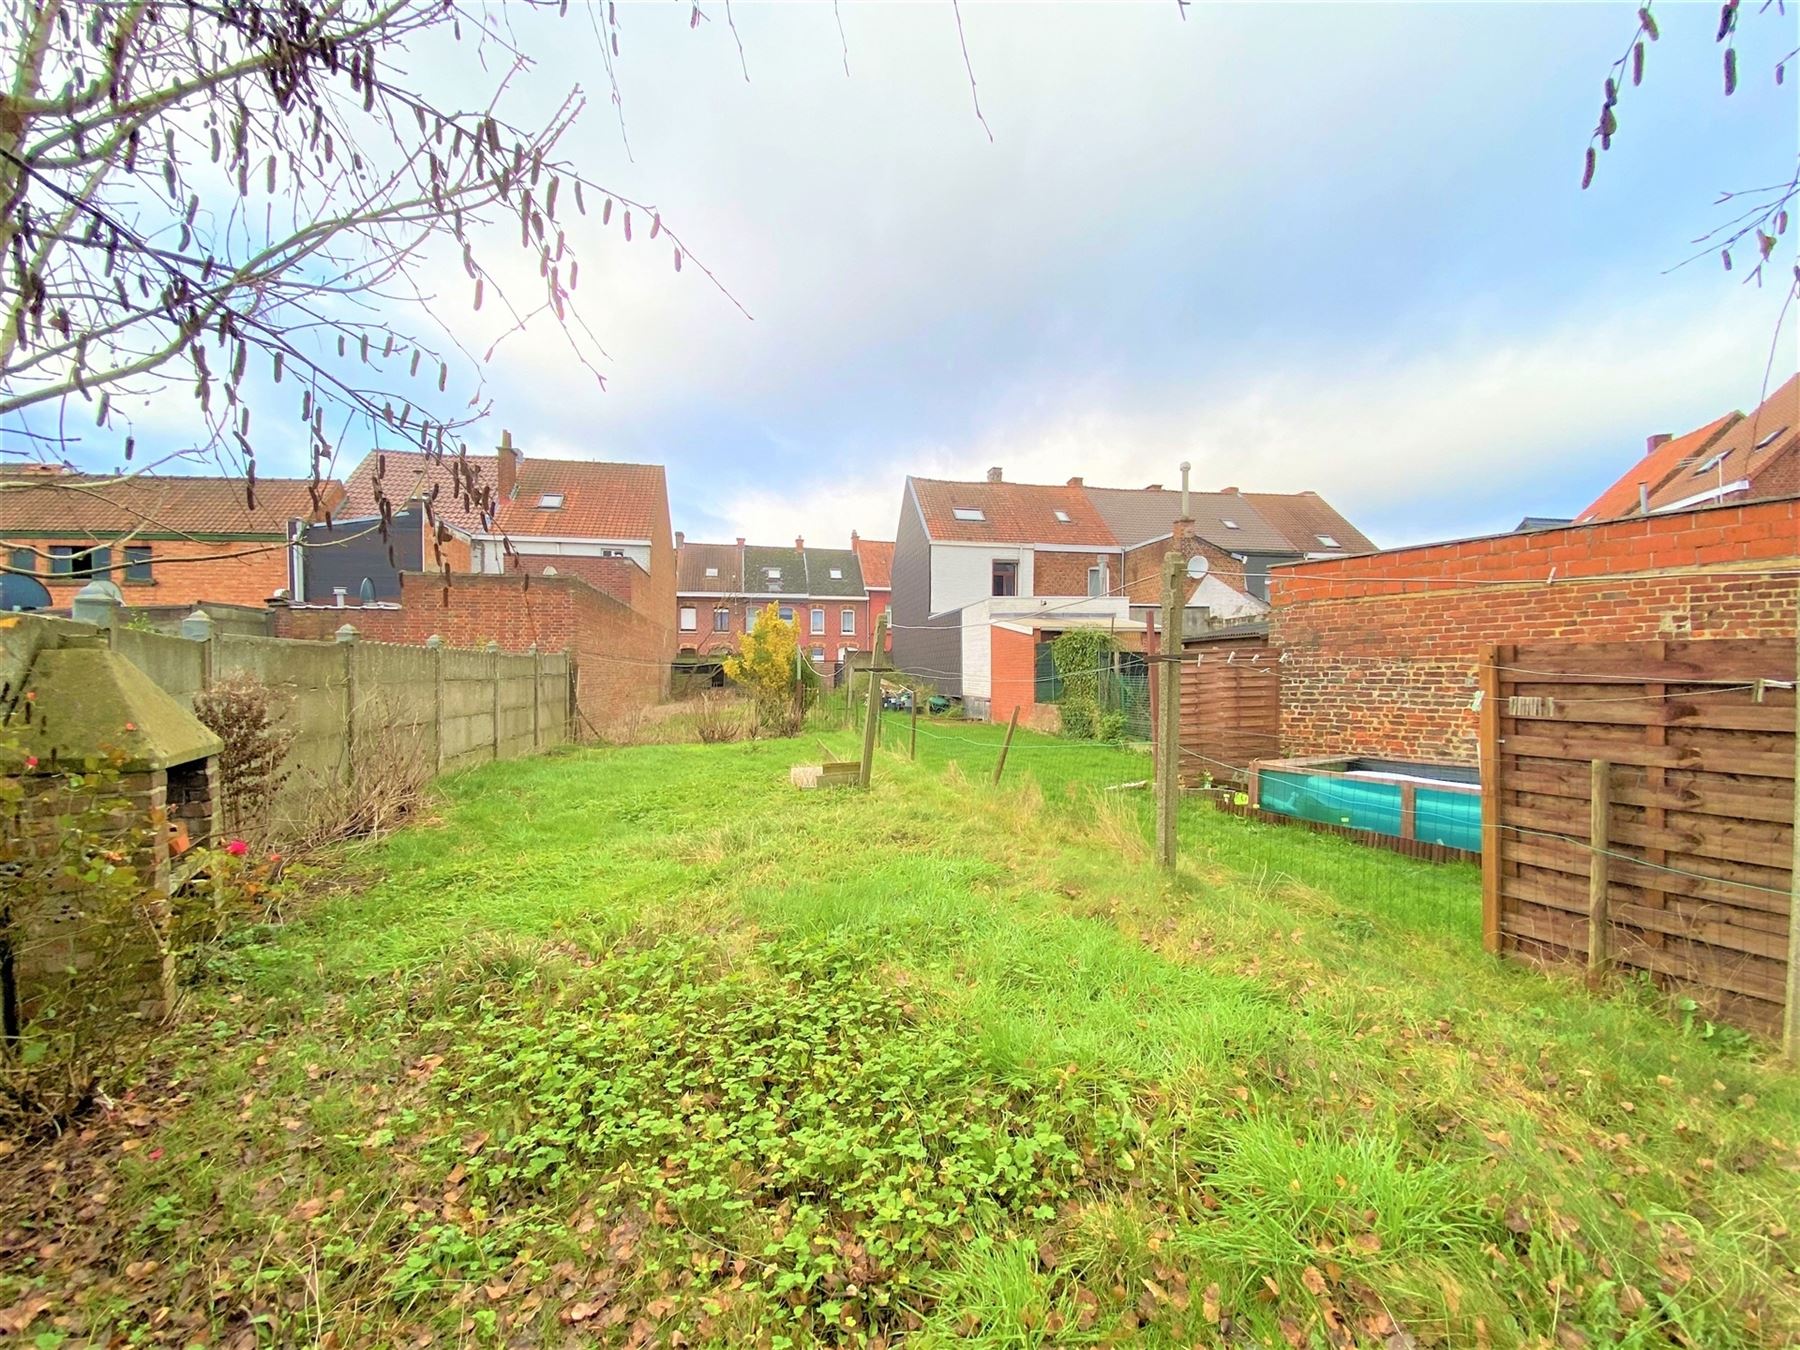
1338 247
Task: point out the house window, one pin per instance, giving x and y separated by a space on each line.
1096 581
550 501
690 618
79 564
847 622
786 613
1770 439
1230 524
837 574
750 619
1064 518
818 656
1006 577
137 563
23 560
970 513
712 571
1327 540
818 622
721 620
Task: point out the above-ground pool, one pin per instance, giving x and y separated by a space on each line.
1433 803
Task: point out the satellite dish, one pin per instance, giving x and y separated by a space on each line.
366 592
1197 566
22 592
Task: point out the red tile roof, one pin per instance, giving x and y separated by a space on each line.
1653 470
601 500
1012 513
1749 447
103 505
877 559
1308 520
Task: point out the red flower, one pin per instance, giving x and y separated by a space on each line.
31 761
237 848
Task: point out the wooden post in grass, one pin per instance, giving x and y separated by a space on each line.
872 721
1005 745
912 745
1790 1014
1168 699
1599 869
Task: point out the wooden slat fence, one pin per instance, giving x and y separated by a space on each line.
1691 746
1230 707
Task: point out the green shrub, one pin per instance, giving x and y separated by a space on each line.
1079 655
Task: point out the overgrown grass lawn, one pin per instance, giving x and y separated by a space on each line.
643 1046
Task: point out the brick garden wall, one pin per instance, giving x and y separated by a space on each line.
1381 650
619 652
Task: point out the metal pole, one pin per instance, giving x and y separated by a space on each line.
1168 732
870 722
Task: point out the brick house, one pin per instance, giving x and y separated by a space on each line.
722 588
164 540
604 523
972 555
876 557
1733 459
1379 653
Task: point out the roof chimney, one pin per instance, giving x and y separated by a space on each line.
799 544
1229 489
1075 482
994 474
854 538
740 541
508 476
1185 466
1659 438
1152 487
680 539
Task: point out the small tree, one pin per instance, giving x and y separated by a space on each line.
767 664
241 710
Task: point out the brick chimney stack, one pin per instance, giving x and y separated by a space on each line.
799 544
508 473
1651 442
1075 482
994 474
740 541
680 538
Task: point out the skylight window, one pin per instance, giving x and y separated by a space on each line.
970 513
712 571
1770 439
1230 524
1712 462
772 573
837 574
1064 517
1327 540
550 501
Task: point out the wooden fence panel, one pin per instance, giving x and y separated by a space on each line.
1693 746
1230 708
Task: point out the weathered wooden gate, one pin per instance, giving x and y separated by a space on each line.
1638 813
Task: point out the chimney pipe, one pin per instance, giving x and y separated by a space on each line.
340 592
508 467
1185 466
994 474
799 544
680 538
1643 499
740 541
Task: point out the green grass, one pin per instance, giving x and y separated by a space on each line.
644 1043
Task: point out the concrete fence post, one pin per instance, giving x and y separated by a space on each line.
493 649
537 698
97 603
435 645
346 637
199 627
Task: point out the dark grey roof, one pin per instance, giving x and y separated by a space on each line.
692 562
822 562
1137 515
789 562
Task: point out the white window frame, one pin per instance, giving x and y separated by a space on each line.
785 613
1064 517
837 574
816 623
1328 540
551 501
712 571
847 623
969 515
690 619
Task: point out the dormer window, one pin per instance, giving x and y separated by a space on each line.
1230 524
550 501
968 513
1327 540
1064 517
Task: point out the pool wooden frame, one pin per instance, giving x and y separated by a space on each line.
1336 766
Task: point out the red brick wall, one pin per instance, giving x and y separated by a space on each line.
878 605
620 578
1143 568
1014 674
1066 573
182 570
1381 651
618 652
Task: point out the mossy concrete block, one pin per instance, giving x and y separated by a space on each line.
88 702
